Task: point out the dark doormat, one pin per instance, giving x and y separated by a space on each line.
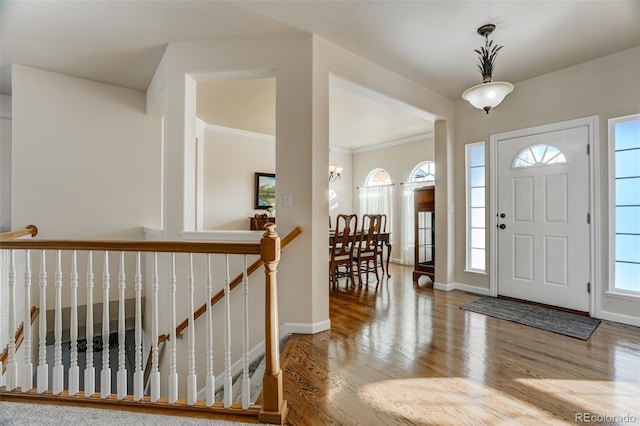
540 317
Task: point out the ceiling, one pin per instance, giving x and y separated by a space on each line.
429 42
358 117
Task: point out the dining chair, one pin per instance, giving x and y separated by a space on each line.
381 244
341 248
366 250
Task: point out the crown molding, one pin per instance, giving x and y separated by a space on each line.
340 150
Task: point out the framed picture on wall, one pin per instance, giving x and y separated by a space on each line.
265 190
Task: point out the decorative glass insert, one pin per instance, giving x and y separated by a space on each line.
539 155
378 177
425 172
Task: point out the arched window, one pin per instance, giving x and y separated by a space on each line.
376 197
378 177
539 155
424 172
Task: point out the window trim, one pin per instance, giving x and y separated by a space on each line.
611 288
432 166
467 173
372 173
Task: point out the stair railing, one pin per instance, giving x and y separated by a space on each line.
205 308
18 375
29 232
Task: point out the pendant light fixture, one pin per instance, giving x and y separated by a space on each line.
489 93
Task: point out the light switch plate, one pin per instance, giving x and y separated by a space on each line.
287 200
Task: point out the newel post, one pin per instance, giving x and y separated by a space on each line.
274 406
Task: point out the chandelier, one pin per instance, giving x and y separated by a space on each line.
489 93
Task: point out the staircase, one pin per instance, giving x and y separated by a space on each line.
154 265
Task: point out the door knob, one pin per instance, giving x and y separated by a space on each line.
502 226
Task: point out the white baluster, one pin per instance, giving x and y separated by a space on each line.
173 375
227 336
27 367
105 376
246 382
74 370
12 366
211 384
43 368
155 374
122 371
192 391
139 374
90 370
58 369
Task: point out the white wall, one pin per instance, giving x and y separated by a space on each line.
399 161
5 163
341 191
86 164
231 158
86 158
608 87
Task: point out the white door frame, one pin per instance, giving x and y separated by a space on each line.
594 200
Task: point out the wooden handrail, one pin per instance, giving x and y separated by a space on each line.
218 296
19 337
274 408
29 230
142 246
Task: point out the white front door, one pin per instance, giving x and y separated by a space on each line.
543 203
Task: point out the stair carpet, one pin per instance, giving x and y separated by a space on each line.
256 373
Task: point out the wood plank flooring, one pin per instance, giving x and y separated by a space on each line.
398 354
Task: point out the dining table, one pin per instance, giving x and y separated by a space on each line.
385 237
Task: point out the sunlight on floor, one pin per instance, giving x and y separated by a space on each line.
446 401
594 396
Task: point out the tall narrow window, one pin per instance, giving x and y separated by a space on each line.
476 228
624 215
376 197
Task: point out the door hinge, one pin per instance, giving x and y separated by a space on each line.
589 218
588 149
589 288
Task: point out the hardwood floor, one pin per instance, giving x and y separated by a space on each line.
398 354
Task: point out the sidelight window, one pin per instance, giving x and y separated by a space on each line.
476 207
624 214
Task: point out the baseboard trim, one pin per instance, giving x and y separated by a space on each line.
304 328
621 318
462 287
444 287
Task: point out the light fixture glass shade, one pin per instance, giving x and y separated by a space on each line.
334 172
487 95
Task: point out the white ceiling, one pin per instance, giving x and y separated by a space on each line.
430 42
358 117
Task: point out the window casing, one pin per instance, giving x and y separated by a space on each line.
624 213
378 177
476 207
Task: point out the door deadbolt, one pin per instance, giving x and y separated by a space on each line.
502 215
